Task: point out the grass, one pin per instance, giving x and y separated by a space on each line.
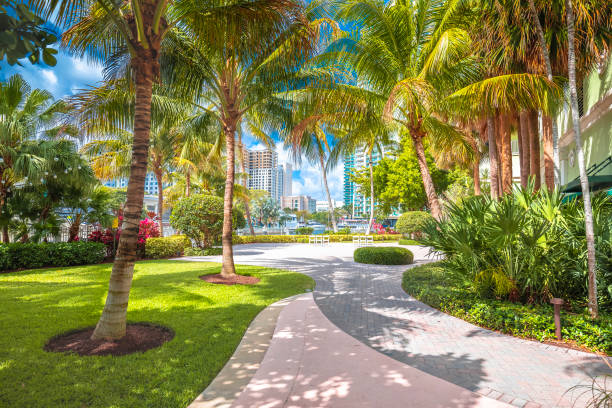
406 241
209 321
431 285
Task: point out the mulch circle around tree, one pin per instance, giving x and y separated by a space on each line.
139 337
234 280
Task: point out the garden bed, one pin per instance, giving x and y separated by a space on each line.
208 322
429 284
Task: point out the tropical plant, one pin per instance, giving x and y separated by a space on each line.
528 245
25 114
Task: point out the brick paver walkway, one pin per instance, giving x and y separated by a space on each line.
368 303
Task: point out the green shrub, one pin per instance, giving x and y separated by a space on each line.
383 255
166 247
203 252
433 285
304 231
33 255
200 217
412 222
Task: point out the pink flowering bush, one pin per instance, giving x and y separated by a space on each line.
379 229
110 238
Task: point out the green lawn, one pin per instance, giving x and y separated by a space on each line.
209 321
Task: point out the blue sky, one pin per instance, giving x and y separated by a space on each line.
72 74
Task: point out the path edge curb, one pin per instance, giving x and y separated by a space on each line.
235 375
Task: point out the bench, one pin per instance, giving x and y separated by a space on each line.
318 239
363 240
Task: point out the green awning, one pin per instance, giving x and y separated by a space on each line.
596 183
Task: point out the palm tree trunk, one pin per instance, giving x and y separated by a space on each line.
534 149
430 191
547 152
73 231
188 183
5 234
329 198
229 127
493 162
505 139
584 181
554 132
476 177
475 166
523 138
160 200
112 323
247 210
371 221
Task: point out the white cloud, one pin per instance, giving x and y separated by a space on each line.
49 77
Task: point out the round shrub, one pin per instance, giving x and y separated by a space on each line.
200 217
383 255
412 222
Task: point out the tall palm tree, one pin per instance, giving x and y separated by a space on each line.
237 79
134 30
584 180
104 29
317 149
406 57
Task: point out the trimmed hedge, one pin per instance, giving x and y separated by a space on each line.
287 239
304 230
166 247
203 251
431 285
31 255
383 255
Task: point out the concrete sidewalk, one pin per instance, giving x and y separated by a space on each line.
312 363
368 303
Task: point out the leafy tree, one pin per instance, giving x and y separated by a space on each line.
266 210
397 180
23 34
200 217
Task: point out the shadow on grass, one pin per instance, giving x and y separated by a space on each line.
208 321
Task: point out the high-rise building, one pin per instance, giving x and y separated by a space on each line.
264 172
150 183
288 180
299 203
356 161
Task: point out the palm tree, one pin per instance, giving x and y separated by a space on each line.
584 180
405 59
24 113
242 77
112 32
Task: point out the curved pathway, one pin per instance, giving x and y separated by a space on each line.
368 303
